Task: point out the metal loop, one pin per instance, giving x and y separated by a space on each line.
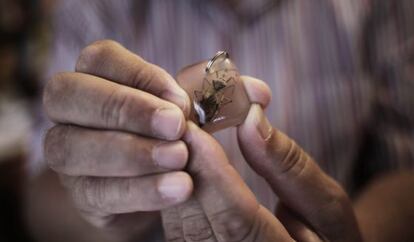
219 54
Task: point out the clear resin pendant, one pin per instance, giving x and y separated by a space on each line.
219 99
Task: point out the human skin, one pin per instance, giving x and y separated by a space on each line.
118 154
118 124
314 207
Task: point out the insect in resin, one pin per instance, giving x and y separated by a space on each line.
214 95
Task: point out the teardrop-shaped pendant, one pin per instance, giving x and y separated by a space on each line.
218 96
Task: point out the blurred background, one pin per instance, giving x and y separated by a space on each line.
26 40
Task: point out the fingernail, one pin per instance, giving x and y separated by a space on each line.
258 118
170 155
168 123
175 186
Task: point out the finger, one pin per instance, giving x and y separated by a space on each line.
105 196
295 177
257 90
110 60
171 222
231 208
295 226
78 151
90 101
187 222
196 226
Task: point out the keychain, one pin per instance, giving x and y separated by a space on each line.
219 99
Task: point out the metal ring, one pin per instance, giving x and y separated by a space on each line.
218 55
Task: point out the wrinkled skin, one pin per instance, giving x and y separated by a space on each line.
121 146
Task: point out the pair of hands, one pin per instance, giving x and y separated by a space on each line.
121 145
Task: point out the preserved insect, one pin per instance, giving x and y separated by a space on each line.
217 93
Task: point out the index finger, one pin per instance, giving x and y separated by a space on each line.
110 60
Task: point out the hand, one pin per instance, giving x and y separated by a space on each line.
116 142
313 206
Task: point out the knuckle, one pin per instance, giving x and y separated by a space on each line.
143 76
54 92
172 225
92 55
132 151
337 199
147 75
292 160
55 147
117 108
336 210
89 193
231 225
75 185
197 228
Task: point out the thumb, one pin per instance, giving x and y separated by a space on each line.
229 207
298 181
257 90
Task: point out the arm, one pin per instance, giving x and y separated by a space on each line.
384 205
385 208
